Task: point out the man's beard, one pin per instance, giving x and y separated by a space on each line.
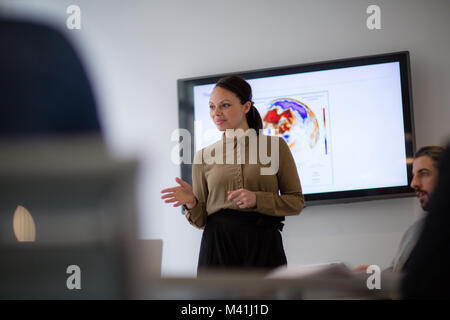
425 198
424 201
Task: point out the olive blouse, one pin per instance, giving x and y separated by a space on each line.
277 194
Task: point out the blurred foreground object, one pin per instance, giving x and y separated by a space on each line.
327 283
24 226
67 208
83 203
44 87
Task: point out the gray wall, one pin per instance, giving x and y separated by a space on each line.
136 50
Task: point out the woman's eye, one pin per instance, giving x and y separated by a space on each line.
226 105
211 107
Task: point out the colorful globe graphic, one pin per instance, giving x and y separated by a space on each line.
295 122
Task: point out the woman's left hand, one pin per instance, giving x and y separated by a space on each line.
243 198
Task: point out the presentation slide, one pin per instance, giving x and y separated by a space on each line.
343 126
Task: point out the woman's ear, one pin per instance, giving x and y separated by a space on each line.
247 106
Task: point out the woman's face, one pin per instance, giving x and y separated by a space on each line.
226 110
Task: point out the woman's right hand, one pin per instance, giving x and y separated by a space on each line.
181 195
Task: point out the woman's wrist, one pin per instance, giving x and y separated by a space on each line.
192 205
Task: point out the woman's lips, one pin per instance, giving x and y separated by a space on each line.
218 122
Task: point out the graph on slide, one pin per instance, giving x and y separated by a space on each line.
290 118
302 121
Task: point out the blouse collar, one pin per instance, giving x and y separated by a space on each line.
238 134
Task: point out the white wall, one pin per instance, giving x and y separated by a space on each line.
136 50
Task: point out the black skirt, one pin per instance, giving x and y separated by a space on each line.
236 239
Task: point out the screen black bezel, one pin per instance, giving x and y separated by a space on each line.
186 117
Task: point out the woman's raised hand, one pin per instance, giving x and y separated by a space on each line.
180 195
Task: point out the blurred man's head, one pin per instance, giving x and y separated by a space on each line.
425 172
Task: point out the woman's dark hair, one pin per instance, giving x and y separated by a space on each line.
242 89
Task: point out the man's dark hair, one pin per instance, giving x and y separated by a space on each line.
434 152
